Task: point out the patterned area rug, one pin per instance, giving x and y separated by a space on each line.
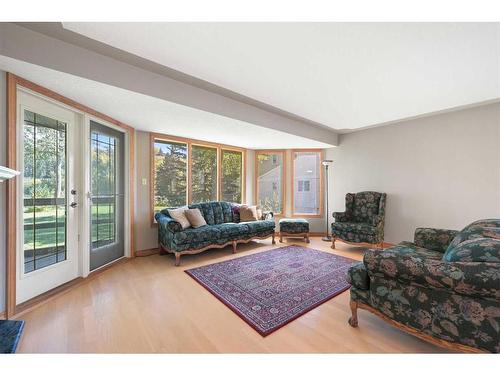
272 288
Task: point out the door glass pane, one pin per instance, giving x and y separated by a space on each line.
204 174
103 184
269 180
306 184
44 185
170 174
232 171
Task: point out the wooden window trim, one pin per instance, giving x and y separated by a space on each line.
13 82
283 182
190 143
321 182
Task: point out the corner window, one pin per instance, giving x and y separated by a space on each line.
270 188
307 193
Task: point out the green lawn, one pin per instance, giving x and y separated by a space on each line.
46 237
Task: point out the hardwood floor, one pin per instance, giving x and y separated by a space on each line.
147 305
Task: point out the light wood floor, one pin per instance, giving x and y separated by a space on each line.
147 305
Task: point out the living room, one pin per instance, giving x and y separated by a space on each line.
250 187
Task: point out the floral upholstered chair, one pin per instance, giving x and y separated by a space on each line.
444 287
363 219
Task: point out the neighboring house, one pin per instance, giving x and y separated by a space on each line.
306 185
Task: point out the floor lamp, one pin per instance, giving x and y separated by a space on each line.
326 163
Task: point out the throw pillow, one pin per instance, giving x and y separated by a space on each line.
474 250
474 232
179 215
248 213
236 212
195 217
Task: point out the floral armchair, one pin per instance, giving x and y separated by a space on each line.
363 219
443 288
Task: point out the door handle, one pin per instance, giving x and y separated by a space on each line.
73 204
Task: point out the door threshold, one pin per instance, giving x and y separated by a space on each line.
103 267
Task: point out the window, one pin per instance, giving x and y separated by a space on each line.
307 193
45 195
232 176
270 172
103 160
204 174
170 174
185 171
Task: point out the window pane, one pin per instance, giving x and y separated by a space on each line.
307 183
269 180
103 161
232 174
204 174
44 186
170 174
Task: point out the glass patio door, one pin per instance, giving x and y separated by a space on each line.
48 254
107 195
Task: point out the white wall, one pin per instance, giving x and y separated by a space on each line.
3 193
441 171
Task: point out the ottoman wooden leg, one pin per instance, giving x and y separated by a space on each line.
281 237
333 242
177 259
274 240
307 238
234 247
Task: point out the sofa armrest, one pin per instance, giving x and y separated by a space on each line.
341 217
472 279
167 223
434 239
358 277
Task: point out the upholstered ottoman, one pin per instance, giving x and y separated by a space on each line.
294 228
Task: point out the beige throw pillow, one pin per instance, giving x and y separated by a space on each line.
248 213
195 217
179 215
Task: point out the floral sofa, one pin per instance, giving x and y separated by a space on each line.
223 228
444 287
363 219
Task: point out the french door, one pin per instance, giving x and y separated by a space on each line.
107 195
48 196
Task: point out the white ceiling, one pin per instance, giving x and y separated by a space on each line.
342 75
155 115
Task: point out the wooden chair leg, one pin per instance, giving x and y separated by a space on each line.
281 237
177 259
353 320
333 242
234 247
274 240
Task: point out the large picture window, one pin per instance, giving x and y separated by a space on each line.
185 171
232 175
203 174
307 191
170 174
270 173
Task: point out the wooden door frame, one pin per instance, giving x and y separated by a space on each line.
13 81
